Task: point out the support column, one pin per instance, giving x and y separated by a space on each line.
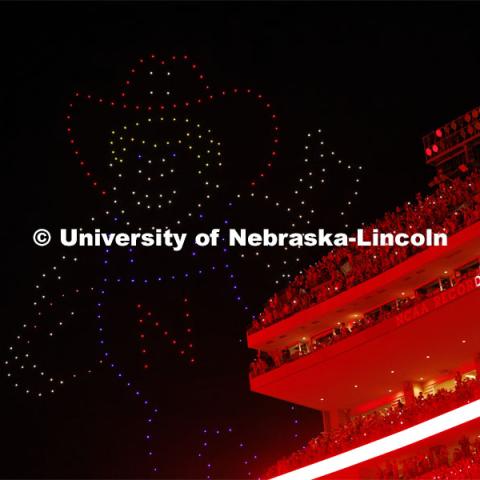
333 419
330 420
408 393
477 365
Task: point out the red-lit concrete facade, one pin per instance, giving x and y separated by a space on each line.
427 342
356 373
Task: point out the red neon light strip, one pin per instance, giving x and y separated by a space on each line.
385 445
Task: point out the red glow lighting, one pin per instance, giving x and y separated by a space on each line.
387 444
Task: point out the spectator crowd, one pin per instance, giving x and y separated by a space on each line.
366 428
435 464
265 362
467 467
452 206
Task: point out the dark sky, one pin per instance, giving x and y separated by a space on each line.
375 77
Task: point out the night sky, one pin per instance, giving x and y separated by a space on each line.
374 77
